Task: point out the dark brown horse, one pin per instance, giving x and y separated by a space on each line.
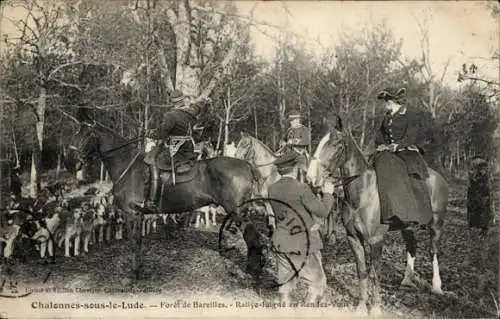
224 181
361 211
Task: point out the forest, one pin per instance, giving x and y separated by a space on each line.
121 59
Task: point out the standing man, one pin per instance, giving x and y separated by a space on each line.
178 122
289 239
298 140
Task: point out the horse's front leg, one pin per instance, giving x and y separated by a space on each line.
213 212
197 219
50 247
43 249
108 232
376 243
359 255
101 233
207 217
411 251
154 224
435 230
143 228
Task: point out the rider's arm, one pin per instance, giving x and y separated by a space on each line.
315 206
379 134
418 130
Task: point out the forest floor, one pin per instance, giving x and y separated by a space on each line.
180 261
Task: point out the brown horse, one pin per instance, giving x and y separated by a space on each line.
224 181
361 211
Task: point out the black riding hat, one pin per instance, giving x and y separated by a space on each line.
392 94
288 158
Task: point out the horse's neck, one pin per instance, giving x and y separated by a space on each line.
116 162
263 158
262 154
356 164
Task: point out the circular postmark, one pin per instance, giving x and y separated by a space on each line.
288 245
33 226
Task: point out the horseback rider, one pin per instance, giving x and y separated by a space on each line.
298 140
176 128
401 169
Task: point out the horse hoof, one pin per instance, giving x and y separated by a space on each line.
407 282
376 311
361 310
450 294
437 291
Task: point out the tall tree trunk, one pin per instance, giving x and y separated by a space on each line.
365 111
219 136
147 105
37 154
363 129
102 173
255 123
34 173
16 153
59 160
309 124
227 117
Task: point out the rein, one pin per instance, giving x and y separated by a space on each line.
133 141
266 164
104 154
252 156
126 170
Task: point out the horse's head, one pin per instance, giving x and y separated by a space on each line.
244 148
330 153
85 143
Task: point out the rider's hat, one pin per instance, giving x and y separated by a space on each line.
288 158
294 115
393 94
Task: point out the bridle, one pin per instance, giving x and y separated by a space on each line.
106 153
250 154
339 160
99 153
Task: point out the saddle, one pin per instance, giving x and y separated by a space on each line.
164 156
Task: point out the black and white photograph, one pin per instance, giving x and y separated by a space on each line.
249 158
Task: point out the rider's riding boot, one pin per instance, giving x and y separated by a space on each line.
153 188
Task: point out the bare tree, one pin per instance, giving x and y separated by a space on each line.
431 77
43 44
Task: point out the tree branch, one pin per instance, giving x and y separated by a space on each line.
68 115
60 67
468 77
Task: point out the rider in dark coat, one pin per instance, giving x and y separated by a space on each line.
401 169
179 121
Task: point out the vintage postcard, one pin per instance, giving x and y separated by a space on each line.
166 159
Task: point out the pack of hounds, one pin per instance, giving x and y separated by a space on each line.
76 223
